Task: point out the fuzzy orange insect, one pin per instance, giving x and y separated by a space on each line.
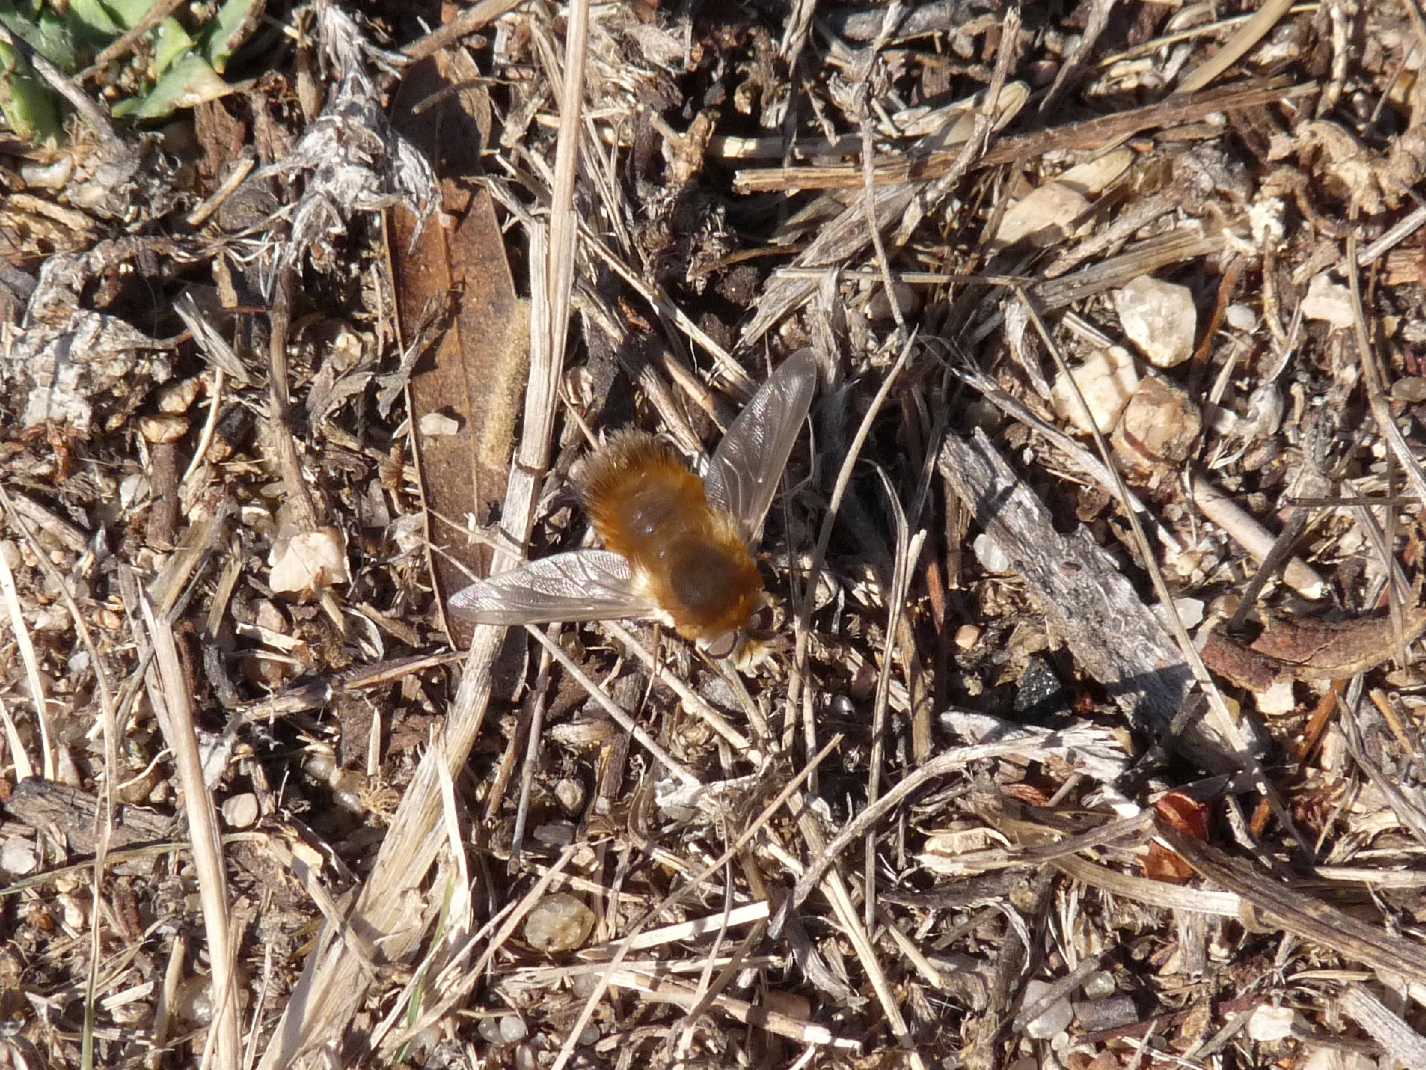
677 546
649 508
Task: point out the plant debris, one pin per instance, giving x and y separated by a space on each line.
1082 725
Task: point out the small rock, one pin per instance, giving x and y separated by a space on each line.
1107 380
438 423
988 552
1277 700
878 306
512 1029
1099 984
17 857
1190 611
1269 1024
1160 318
1157 430
1039 694
558 923
177 398
1241 317
74 908
554 833
489 1030
165 428
570 794
967 635
1328 1058
194 1001
241 811
1112 1012
1328 301
1054 1020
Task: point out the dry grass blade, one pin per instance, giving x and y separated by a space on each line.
668 990
1249 34
1387 1029
175 716
330 989
1278 902
32 671
754 828
908 552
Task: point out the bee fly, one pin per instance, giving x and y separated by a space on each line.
677 546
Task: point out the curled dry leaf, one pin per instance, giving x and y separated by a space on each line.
1190 818
1310 649
308 562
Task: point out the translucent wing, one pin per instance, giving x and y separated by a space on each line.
582 585
743 475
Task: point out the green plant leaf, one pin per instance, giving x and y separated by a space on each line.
26 102
233 25
43 30
171 42
109 18
186 84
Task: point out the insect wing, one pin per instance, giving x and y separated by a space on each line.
743 475
582 585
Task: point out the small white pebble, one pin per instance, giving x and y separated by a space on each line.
558 923
438 423
1160 317
570 794
512 1029
1107 380
1269 1024
241 811
1276 701
1241 317
967 635
989 554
